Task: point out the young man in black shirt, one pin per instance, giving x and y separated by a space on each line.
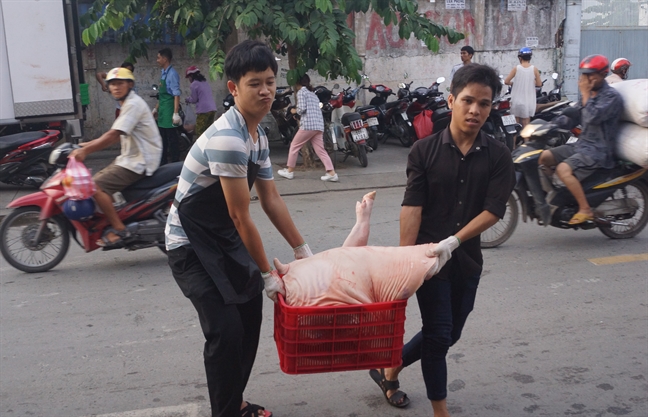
458 183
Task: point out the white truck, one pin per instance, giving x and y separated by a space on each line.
40 67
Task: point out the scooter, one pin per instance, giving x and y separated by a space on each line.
393 120
25 155
35 236
355 137
281 111
618 197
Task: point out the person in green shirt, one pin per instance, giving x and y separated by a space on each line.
166 110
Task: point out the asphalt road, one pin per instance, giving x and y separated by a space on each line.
552 334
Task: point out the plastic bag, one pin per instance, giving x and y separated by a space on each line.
632 143
635 100
78 183
423 125
190 115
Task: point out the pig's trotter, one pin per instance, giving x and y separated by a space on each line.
359 235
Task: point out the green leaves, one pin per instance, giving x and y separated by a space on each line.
313 33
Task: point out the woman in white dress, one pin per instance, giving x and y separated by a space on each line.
523 95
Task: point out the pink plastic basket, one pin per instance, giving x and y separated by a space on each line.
341 338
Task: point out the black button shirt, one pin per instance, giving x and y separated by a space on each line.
454 188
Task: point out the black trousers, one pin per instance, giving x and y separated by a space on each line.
170 144
231 332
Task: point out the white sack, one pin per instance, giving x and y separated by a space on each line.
635 100
632 143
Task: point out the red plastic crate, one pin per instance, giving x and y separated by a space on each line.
341 338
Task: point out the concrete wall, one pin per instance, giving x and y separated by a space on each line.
495 33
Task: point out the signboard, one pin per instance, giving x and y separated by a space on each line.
455 4
532 41
516 5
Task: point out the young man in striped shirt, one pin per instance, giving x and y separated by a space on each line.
215 250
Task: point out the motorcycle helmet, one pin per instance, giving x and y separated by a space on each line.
594 63
120 73
620 67
191 70
79 209
525 53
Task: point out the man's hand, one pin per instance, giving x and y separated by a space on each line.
443 251
154 111
585 86
273 284
79 154
177 120
302 251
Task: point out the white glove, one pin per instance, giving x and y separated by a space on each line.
177 120
443 251
273 284
302 251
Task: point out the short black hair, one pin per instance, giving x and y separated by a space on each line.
127 64
167 53
249 55
468 49
304 81
475 73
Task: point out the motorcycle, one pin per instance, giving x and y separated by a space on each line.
25 155
351 139
618 197
501 123
393 120
35 236
430 102
287 123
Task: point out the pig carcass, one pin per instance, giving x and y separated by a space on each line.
356 273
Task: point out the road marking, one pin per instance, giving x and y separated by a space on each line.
187 410
611 260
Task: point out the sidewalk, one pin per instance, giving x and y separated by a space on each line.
386 169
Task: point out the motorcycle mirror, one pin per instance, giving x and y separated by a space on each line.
336 85
154 87
440 80
405 75
554 75
321 105
401 85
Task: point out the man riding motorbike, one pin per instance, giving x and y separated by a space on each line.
141 150
598 114
619 68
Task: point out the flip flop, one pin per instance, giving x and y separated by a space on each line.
252 410
580 218
399 398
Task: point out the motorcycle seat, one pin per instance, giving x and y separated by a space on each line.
365 108
161 176
392 104
347 118
10 142
440 114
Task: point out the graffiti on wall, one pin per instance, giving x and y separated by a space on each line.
381 38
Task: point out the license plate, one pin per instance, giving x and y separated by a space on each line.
360 134
372 121
508 120
572 139
404 116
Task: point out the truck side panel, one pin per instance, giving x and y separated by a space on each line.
38 57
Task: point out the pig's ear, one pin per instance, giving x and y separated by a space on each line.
281 268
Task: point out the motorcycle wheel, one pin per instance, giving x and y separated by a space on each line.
362 156
329 146
633 226
501 231
406 135
16 234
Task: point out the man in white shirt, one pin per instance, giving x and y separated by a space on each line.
141 151
467 53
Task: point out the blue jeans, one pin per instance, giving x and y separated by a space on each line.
444 305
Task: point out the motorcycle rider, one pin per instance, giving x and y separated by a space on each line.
141 149
598 114
619 68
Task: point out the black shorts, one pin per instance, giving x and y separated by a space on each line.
582 165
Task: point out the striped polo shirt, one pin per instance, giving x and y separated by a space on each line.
223 150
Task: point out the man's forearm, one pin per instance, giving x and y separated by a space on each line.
252 241
476 226
109 138
176 103
410 223
279 215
